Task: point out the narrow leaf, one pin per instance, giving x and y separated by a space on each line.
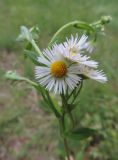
85 26
81 133
12 75
32 56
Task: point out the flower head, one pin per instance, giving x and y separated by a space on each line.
56 73
72 50
88 72
76 45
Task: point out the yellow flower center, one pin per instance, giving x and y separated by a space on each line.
72 51
58 69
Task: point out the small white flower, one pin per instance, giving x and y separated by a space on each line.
77 45
72 53
88 72
56 73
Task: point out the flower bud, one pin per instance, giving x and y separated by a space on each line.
105 19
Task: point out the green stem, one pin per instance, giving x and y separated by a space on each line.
66 148
65 105
72 118
71 94
73 23
52 105
62 127
104 20
81 25
77 92
36 47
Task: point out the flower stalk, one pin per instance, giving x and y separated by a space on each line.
63 136
70 24
36 47
82 25
66 148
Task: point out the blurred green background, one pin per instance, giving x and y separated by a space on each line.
26 131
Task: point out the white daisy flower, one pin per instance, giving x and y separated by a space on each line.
74 55
88 72
76 45
56 73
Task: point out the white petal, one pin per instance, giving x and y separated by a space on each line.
43 60
50 85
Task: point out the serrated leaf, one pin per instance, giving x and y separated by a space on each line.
81 133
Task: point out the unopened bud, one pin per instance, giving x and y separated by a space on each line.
105 19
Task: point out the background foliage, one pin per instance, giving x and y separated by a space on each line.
26 128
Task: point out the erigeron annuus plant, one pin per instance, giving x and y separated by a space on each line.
60 71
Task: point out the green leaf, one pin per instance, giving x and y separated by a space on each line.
81 133
85 26
32 56
28 46
12 75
